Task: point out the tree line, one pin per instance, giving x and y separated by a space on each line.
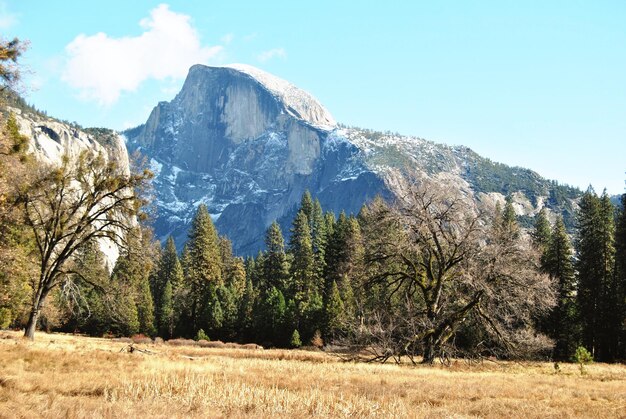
433 275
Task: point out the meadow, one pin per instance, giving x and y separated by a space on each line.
78 377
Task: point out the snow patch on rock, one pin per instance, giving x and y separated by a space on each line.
298 103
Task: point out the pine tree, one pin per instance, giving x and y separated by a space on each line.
162 272
608 292
166 315
275 267
302 270
215 319
234 270
183 301
333 312
617 324
595 253
204 270
245 320
336 252
345 260
169 274
86 293
306 205
542 231
330 221
270 317
295 341
145 308
557 262
509 219
131 278
319 236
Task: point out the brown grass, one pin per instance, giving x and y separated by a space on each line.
78 377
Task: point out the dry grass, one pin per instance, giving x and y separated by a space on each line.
77 377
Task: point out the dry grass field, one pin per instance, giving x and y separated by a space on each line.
78 377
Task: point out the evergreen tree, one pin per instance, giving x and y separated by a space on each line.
333 312
169 274
345 261
330 221
215 320
319 240
145 308
595 253
301 248
229 303
166 267
557 262
509 219
245 320
271 316
617 324
306 205
295 341
275 267
608 292
541 232
204 270
85 293
166 317
234 270
131 278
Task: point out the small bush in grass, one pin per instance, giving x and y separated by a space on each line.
141 339
182 342
582 357
202 336
211 344
317 340
295 341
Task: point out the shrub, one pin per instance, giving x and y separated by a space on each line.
202 336
141 339
316 340
582 357
182 342
295 341
211 344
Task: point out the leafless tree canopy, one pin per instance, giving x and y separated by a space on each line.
446 263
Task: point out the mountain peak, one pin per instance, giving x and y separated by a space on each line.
297 102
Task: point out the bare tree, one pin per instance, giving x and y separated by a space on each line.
453 263
67 206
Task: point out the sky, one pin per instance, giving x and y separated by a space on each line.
537 84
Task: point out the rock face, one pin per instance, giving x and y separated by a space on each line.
51 139
248 144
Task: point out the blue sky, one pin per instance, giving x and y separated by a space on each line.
539 84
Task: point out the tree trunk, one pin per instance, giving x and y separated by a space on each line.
429 351
29 333
31 326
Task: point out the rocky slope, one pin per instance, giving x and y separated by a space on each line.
51 139
248 144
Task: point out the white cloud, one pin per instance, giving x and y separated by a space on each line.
272 53
7 19
102 67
